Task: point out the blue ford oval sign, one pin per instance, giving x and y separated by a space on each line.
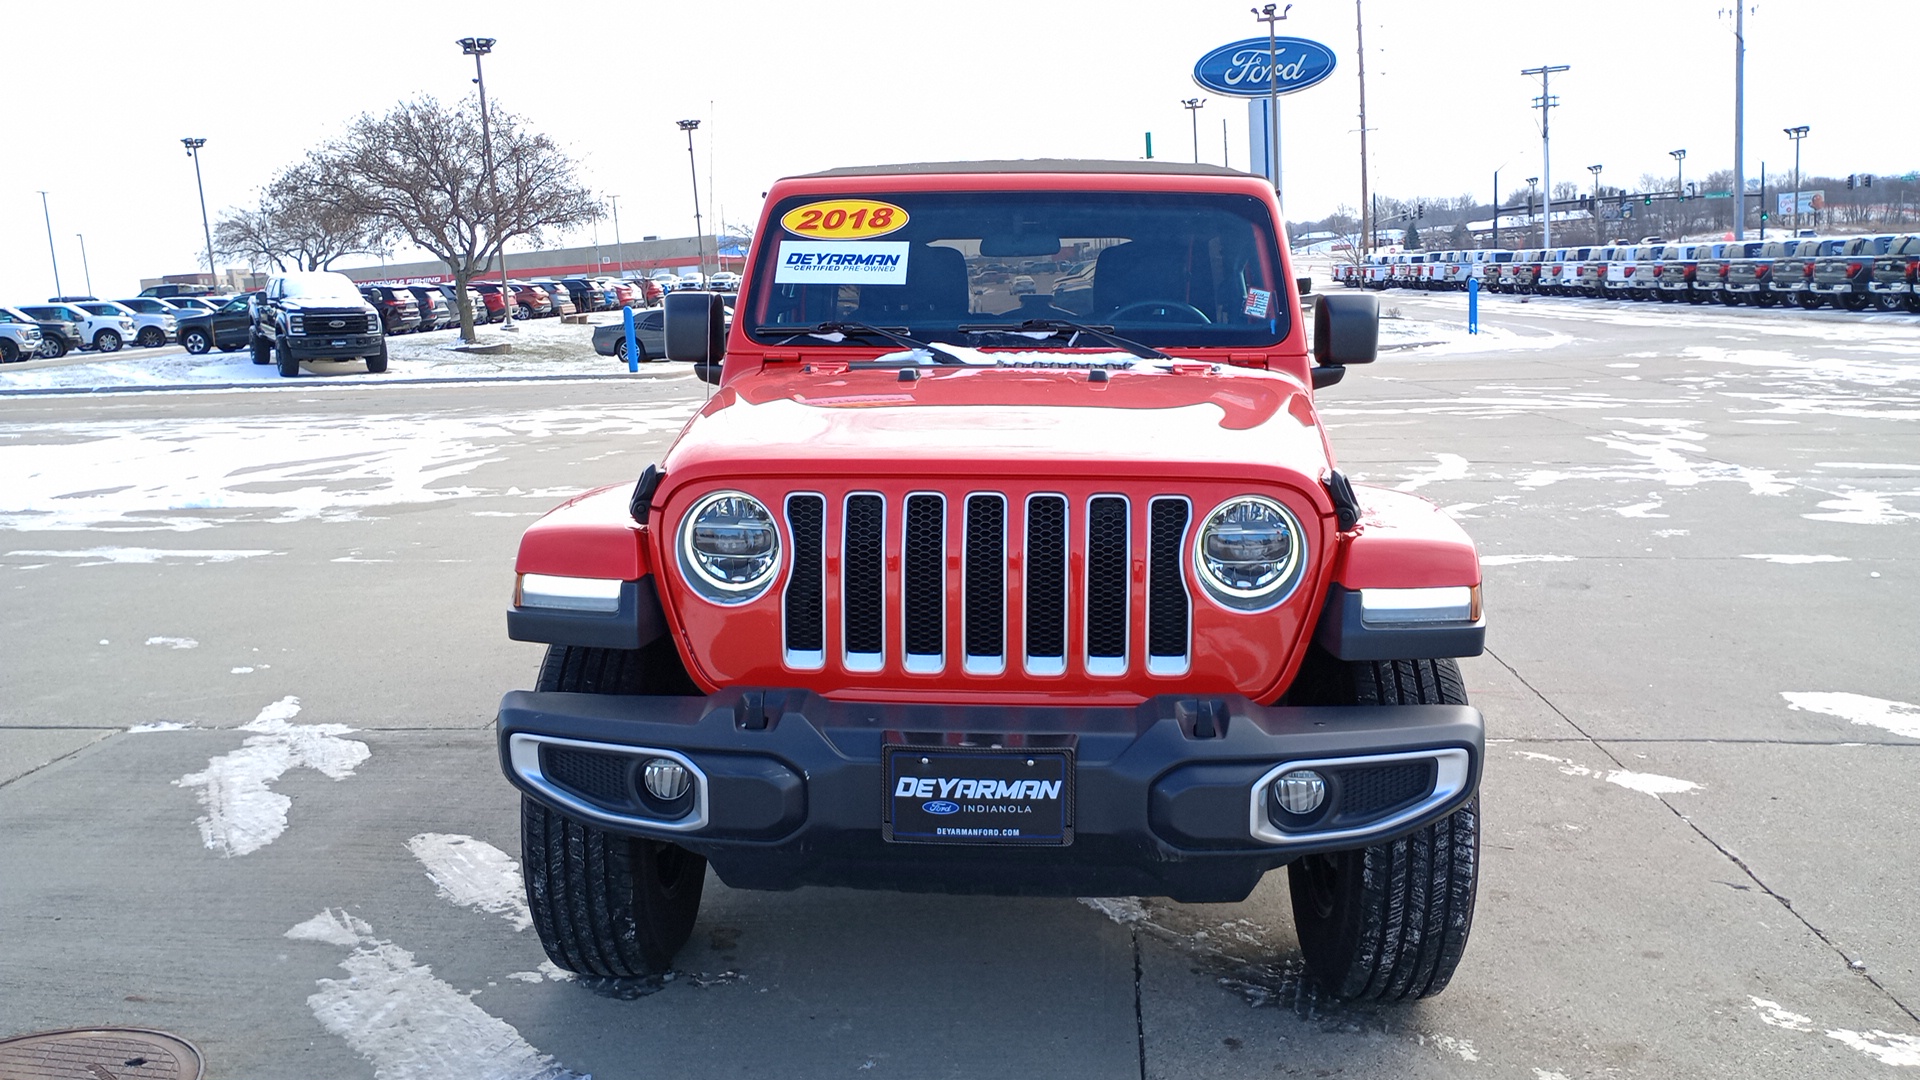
940 806
1240 69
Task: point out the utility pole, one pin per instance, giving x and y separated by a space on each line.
193 151
1194 105
1545 103
83 262
1268 16
619 249
48 214
1679 187
1796 134
1496 207
1595 170
1360 50
1739 119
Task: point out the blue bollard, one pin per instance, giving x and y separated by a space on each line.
1473 305
633 346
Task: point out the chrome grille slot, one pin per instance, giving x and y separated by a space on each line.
806 617
923 586
863 585
1169 608
1107 567
1046 585
984 593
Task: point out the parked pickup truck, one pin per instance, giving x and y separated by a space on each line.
1894 276
937 596
1747 277
1792 276
19 337
315 315
1841 279
1710 268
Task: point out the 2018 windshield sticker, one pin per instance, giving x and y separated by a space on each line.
844 219
1258 301
812 262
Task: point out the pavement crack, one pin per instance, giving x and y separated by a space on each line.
1853 964
1139 1016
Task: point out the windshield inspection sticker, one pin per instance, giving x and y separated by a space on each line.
813 262
844 219
1258 301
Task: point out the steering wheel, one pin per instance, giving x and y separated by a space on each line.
1168 311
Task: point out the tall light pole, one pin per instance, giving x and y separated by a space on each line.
1796 134
57 291
699 234
1531 181
620 249
1595 170
1268 16
1679 184
1740 120
478 47
83 262
193 151
1194 105
1545 103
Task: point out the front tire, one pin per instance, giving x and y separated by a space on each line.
197 342
1389 922
262 351
150 337
9 352
377 363
605 903
107 341
289 363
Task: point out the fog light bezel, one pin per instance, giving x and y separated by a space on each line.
1453 773
523 755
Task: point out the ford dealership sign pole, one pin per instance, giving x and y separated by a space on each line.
1265 69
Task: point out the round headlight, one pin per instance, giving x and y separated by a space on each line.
1250 553
729 547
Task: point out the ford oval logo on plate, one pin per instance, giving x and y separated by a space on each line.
1240 68
940 806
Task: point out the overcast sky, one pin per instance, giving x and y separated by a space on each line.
795 86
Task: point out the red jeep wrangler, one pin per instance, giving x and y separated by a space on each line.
959 583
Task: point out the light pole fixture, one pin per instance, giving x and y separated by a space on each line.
1796 134
1194 106
193 151
1679 179
478 47
1595 170
693 168
1269 16
44 212
1545 103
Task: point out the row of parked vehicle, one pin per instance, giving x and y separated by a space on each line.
1848 272
67 323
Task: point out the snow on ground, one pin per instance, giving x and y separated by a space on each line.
543 347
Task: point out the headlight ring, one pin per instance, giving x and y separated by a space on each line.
729 547
1249 553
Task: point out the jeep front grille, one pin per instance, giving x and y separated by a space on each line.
1009 562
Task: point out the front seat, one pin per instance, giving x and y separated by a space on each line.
936 289
1144 270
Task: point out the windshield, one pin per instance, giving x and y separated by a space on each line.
321 286
1167 269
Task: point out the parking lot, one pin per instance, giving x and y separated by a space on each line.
251 793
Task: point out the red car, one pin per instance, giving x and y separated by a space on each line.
953 586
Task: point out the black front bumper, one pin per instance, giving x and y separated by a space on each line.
341 347
1166 797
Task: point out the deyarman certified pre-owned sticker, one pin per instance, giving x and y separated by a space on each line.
843 219
842 262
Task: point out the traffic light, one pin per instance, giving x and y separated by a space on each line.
1422 207
1649 200
1867 181
1763 215
1849 181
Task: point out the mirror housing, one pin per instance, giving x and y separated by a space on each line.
1346 329
695 325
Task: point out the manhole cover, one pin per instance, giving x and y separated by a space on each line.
99 1054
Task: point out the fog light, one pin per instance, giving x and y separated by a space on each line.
1300 792
667 780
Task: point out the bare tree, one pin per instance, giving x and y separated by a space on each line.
296 228
420 172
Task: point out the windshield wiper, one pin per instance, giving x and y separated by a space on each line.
1098 333
898 337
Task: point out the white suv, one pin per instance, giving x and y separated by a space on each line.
152 307
19 337
148 330
103 332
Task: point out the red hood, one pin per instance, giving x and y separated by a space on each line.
1197 419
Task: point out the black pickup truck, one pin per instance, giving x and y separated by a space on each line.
316 315
1896 276
1841 278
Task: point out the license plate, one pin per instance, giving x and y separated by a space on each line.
340 344
943 795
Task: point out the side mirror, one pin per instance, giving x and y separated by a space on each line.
1346 329
695 326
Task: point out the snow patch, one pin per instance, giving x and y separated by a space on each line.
243 814
157 725
473 873
1888 1048
1124 910
1460 1048
1771 1013
546 972
1797 560
107 556
1865 508
174 642
1895 716
1646 783
1510 560
409 1024
1446 467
